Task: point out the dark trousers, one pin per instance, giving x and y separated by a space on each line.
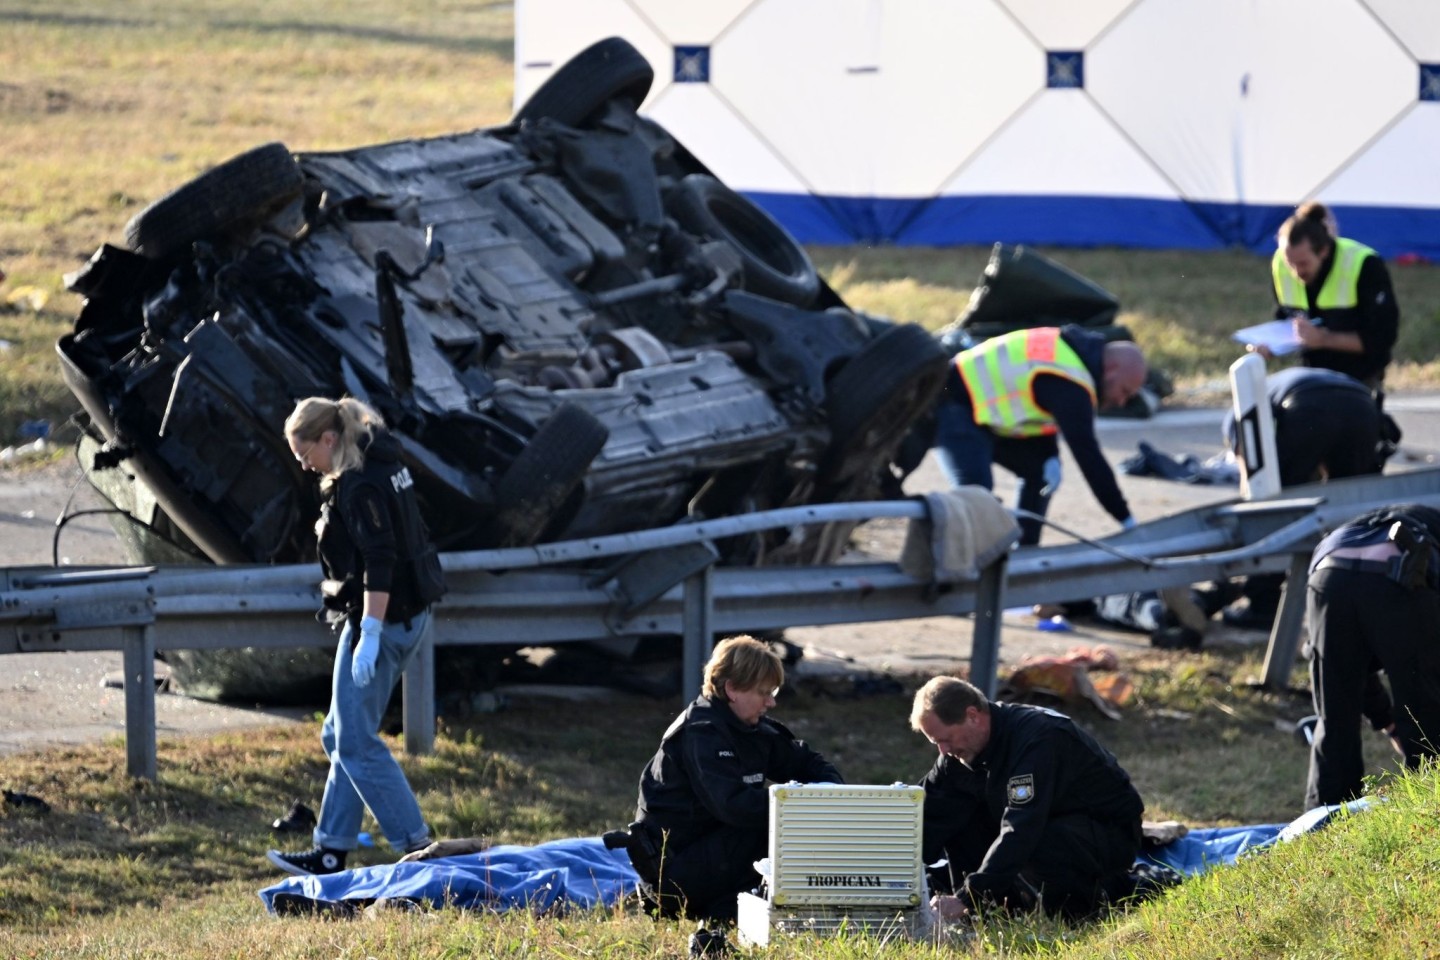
967 452
702 879
1319 432
1079 863
1357 619
1331 431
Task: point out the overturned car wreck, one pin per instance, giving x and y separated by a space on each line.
571 327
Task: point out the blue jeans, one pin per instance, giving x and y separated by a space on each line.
363 773
967 453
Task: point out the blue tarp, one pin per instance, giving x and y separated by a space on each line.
581 873
577 873
1199 850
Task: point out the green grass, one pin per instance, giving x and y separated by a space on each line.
125 868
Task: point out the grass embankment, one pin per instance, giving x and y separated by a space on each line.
105 105
124 868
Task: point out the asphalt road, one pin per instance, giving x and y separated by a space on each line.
59 698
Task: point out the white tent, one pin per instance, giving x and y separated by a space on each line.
1143 123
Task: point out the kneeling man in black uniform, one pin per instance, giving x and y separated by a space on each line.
1373 603
1024 805
703 817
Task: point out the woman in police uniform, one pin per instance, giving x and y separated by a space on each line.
381 577
703 816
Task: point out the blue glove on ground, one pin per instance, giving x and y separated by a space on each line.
362 661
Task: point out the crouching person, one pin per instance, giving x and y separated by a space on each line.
704 806
1373 602
1027 808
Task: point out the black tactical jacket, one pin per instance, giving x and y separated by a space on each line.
370 531
712 771
1037 765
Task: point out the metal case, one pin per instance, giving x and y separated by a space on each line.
842 858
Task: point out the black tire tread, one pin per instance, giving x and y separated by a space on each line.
546 473
587 81
775 265
893 380
242 191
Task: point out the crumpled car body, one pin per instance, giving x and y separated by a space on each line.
572 328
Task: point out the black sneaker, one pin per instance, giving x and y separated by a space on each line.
709 943
296 905
1242 616
1177 637
298 819
310 863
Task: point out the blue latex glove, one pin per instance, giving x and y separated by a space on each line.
1128 523
1051 473
362 661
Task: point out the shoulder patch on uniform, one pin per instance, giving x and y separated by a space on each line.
1020 790
373 515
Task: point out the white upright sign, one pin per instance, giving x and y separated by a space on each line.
1254 428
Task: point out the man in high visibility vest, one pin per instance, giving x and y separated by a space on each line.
1338 294
1009 399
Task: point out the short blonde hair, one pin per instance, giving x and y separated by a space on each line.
946 699
745 662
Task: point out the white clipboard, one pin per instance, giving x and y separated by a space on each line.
1276 335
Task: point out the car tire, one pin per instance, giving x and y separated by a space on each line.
596 75
775 265
891 382
239 193
538 493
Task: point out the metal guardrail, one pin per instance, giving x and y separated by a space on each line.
664 582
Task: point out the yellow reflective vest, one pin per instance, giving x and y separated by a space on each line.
1338 292
1000 373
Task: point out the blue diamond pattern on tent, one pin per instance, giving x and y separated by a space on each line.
692 64
1065 69
1129 123
1430 81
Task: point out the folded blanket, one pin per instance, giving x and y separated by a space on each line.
966 531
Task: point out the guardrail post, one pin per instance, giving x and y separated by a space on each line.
989 610
417 690
139 665
1285 634
697 615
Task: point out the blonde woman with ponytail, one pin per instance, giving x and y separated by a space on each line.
381 577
